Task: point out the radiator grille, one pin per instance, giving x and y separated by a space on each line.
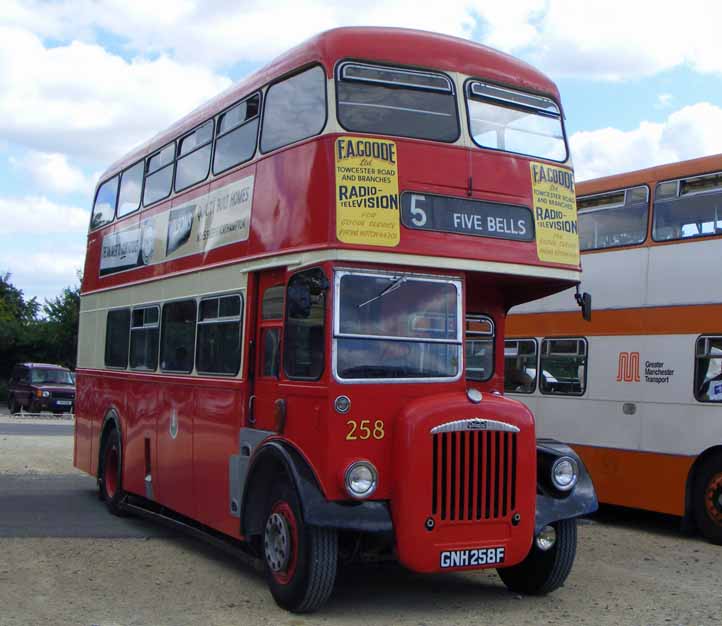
474 475
66 395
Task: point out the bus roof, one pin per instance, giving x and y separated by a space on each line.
394 45
668 171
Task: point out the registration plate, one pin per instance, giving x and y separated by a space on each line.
64 402
474 557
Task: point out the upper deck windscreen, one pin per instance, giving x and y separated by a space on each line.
514 121
393 101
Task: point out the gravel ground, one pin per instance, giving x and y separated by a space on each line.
631 568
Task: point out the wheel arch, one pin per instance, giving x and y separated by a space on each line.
271 458
110 421
713 451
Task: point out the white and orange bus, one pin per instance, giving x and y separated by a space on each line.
281 292
638 390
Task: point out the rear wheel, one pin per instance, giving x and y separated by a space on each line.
300 560
708 499
543 571
110 482
13 405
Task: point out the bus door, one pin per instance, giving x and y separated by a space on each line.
269 335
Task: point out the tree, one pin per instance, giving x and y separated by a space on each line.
25 336
61 326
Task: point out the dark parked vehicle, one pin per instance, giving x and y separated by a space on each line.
36 387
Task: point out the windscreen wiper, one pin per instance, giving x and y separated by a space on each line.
385 291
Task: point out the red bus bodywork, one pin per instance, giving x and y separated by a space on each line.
294 214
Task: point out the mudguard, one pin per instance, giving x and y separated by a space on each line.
551 506
366 516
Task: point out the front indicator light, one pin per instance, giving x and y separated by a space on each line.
565 473
546 538
361 479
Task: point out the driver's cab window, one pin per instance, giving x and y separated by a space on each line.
304 336
479 347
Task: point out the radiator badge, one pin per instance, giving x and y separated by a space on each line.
474 423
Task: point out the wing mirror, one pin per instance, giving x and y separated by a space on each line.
584 300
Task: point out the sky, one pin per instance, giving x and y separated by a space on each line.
83 81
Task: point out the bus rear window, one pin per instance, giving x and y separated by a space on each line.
392 101
514 121
613 219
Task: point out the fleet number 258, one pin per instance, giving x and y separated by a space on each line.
364 429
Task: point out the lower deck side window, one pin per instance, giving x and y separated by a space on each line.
116 338
563 366
708 369
219 335
178 336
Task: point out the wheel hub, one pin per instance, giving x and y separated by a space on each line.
277 542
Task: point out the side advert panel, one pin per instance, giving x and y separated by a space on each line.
216 219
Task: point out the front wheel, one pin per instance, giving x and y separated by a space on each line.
543 571
300 560
110 482
708 499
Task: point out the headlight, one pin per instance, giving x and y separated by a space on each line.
361 479
565 473
42 394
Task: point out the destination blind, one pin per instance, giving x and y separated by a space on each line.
466 217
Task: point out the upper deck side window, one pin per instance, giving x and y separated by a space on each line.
688 207
617 218
236 134
295 109
395 101
194 156
104 206
131 183
159 174
513 121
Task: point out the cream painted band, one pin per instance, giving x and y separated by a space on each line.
94 306
303 259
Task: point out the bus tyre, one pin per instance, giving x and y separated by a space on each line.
300 560
543 571
111 490
708 499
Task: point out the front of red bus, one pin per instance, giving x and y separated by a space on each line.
472 145
452 201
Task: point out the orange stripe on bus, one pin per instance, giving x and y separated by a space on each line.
675 320
642 480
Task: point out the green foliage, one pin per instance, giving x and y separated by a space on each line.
25 335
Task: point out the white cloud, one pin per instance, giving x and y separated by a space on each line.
81 100
690 132
43 274
590 39
51 171
35 215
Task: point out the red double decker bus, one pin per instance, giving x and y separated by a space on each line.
293 309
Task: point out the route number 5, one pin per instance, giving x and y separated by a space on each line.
418 214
